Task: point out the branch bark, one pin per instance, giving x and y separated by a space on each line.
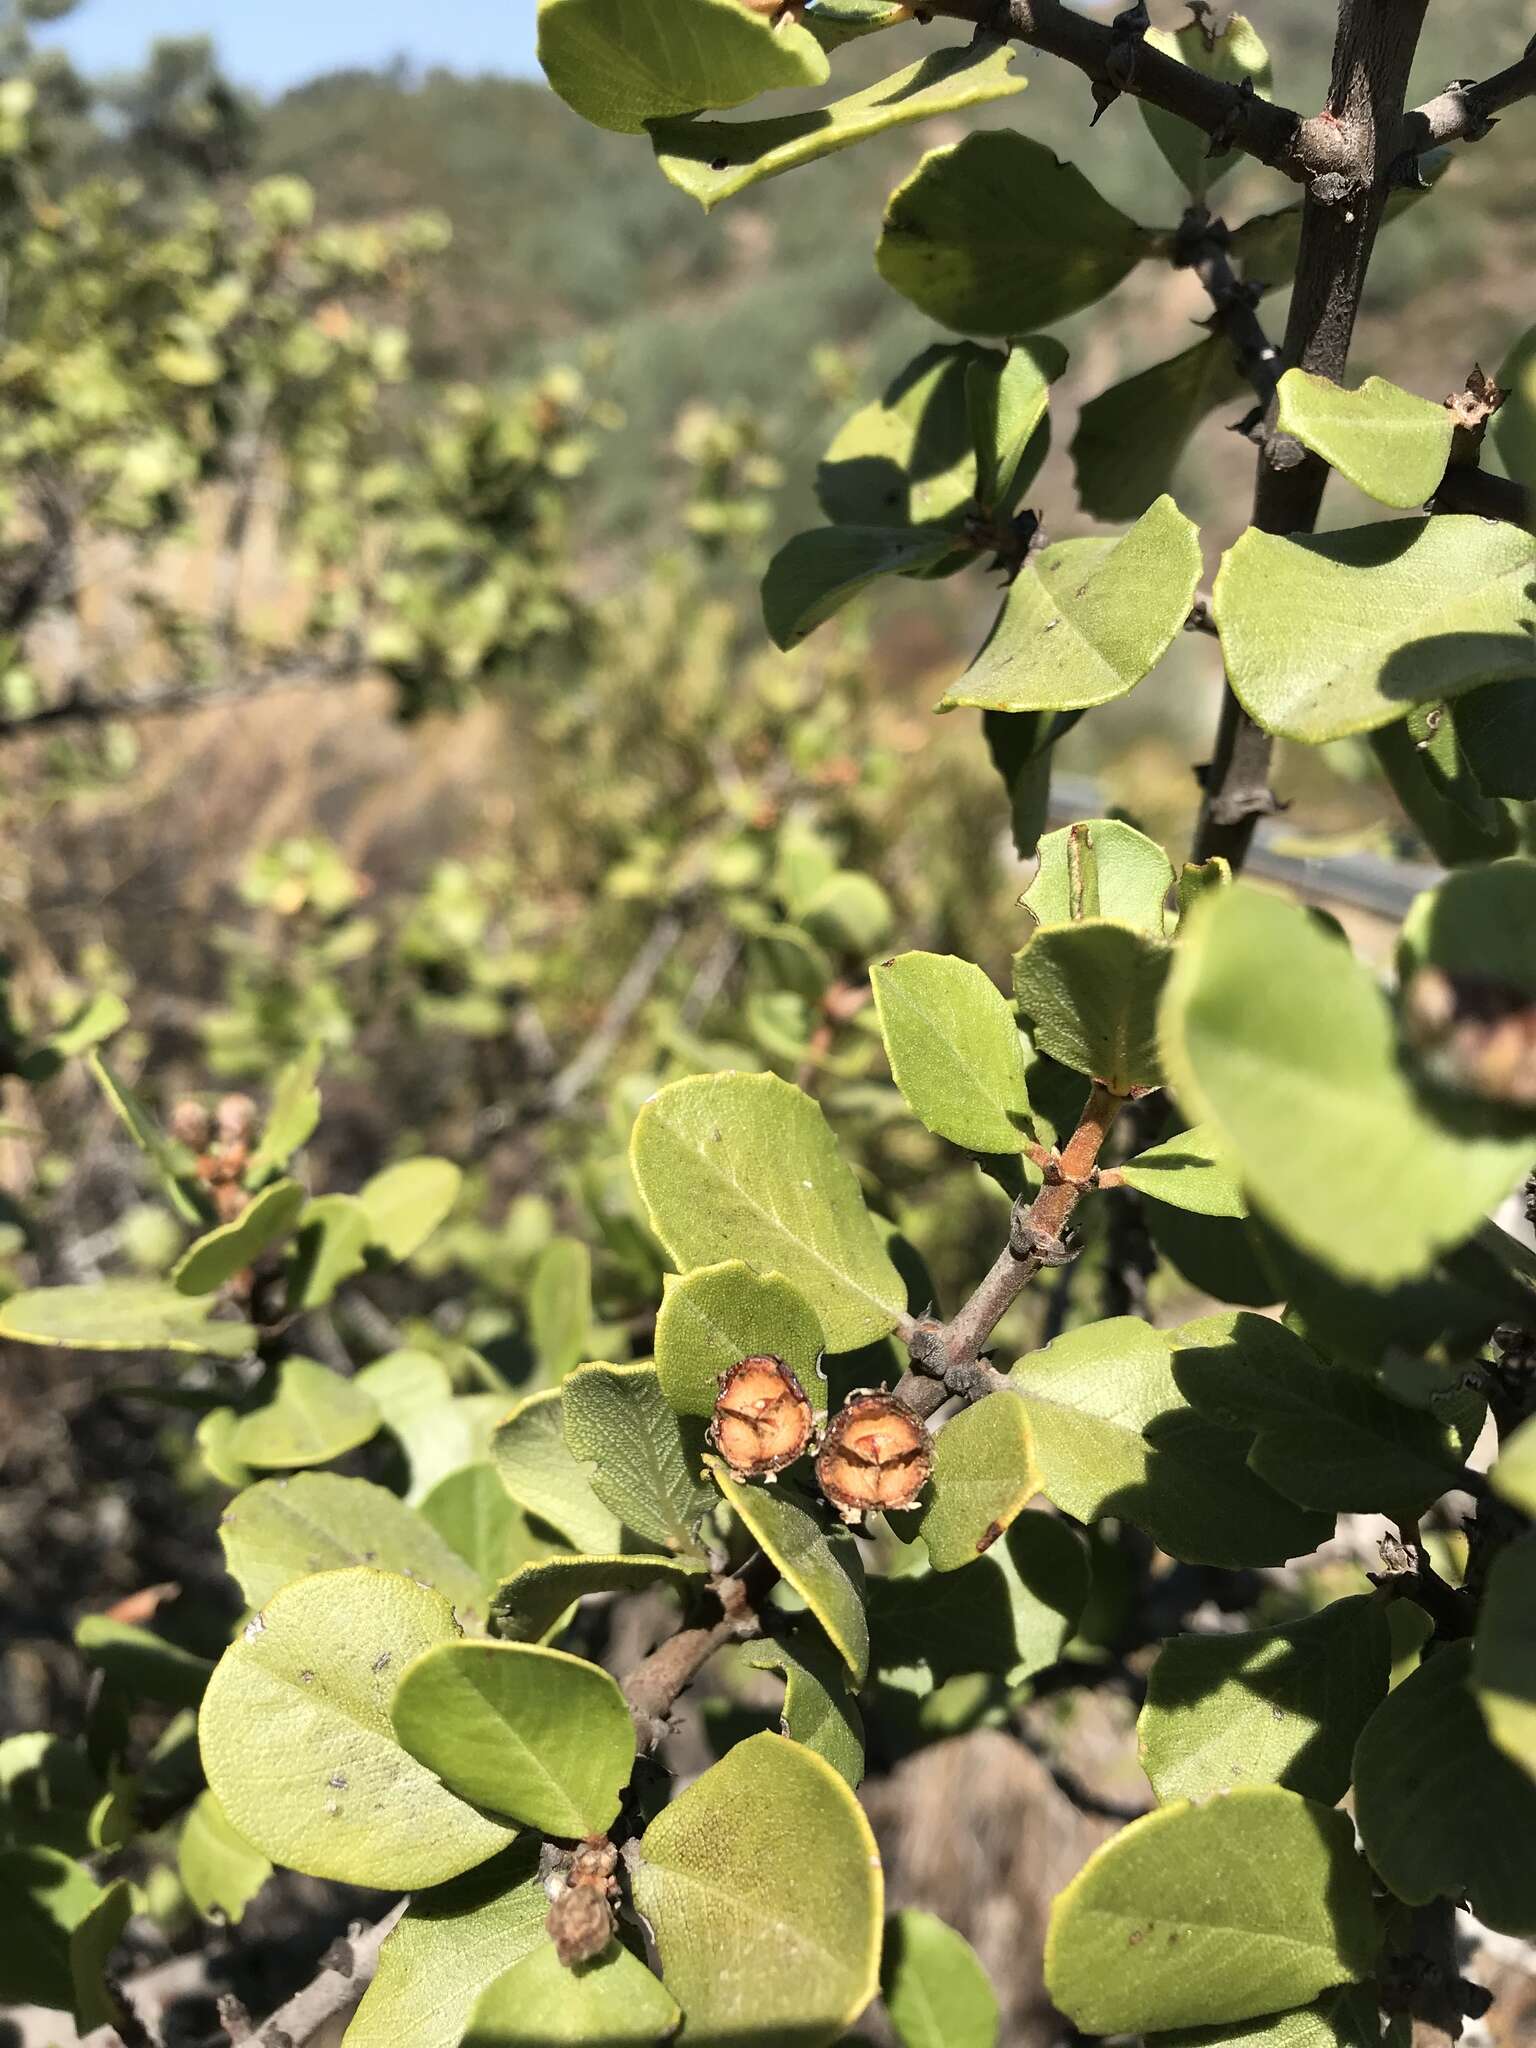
78 707
346 1970
1466 110
1116 61
946 1357
1341 216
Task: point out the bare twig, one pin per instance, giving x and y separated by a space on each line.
346 1970
1341 214
1116 60
653 1686
946 1357
78 706
638 980
1201 246
1466 110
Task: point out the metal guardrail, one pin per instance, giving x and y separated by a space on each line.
1363 881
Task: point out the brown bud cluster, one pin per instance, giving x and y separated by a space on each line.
762 1420
1474 1034
580 1920
223 1143
877 1454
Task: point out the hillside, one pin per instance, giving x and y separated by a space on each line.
567 238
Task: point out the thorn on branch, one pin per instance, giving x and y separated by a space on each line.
1126 34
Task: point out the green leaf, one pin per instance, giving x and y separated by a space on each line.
618 1422
1476 931
140 1664
454 1941
1279 1706
1389 444
48 1790
762 1884
849 913
406 1203
298 1746
1514 1471
1130 438
954 1050
715 1316
479 1521
1090 993
1114 1435
714 160
1187 1172
1009 427
57 1928
1020 746
1349 2016
909 459
983 1475
936 1992
172 1163
815 574
1335 633
621 65
560 1306
1504 1660
1514 424
546 1478
1234 55
1009 1612
1324 1436
1100 867
834 22
821 1562
1442 1812
220 1872
820 1710
214 1436
1495 729
292 1118
283 1529
1305 1093
1085 620
332 1246
744 1166
606 2003
438 1431
207 1263
315 1416
539 1736
1217 1255
997 236
1197 1914
528 1604
122 1315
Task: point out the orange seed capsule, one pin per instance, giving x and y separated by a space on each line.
762 1420
876 1454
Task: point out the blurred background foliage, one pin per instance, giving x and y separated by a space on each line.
385 474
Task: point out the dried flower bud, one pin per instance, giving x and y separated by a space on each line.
762 1420
580 1923
236 1119
1474 1034
877 1454
191 1125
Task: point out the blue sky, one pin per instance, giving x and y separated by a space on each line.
270 44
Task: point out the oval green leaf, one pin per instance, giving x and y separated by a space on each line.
983 1476
936 1992
206 1264
532 1733
315 1416
762 1884
122 1315
954 1050
715 1316
744 1166
1198 1914
822 1563
298 1745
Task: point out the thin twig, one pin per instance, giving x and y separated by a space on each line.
78 706
638 980
1466 110
946 1357
346 1970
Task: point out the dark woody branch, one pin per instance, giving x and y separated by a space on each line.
1467 109
1115 59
